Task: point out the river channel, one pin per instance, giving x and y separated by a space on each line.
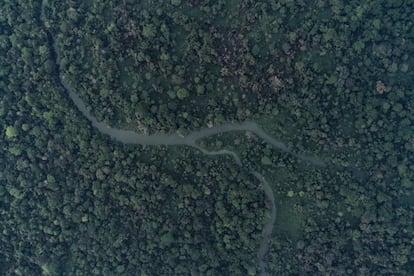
131 137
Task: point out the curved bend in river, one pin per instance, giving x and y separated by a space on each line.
131 137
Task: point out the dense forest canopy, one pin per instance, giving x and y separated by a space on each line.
331 79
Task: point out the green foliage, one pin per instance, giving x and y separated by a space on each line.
166 239
16 193
330 79
11 132
148 31
182 93
266 161
176 2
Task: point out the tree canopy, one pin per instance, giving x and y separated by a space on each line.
331 79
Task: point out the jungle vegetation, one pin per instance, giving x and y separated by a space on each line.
332 79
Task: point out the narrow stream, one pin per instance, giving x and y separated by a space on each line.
131 137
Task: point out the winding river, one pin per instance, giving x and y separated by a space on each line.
131 137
